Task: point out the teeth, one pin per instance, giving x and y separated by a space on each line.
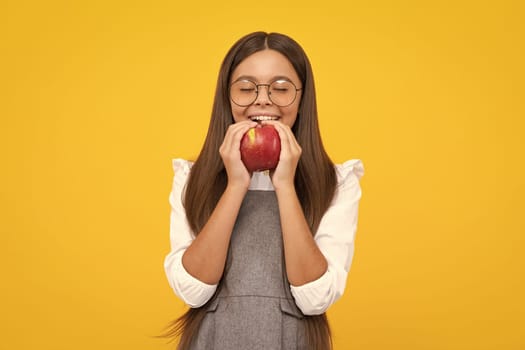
262 117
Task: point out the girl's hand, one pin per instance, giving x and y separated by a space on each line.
284 174
231 154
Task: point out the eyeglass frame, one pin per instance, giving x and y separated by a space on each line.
268 91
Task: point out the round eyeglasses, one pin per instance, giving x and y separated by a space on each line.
281 92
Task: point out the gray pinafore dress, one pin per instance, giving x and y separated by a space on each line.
253 308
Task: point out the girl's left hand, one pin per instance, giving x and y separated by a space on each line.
284 174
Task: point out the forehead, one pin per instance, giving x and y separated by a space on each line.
264 66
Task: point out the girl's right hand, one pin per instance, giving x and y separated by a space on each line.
230 153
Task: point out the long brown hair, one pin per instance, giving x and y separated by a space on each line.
315 179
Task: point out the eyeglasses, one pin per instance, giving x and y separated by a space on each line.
281 92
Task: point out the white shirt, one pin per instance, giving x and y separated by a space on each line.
334 237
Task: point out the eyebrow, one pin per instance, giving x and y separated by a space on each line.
252 78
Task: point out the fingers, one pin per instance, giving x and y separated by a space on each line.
289 145
283 176
231 154
234 134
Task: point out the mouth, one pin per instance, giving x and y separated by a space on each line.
260 118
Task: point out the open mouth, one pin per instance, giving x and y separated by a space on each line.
259 118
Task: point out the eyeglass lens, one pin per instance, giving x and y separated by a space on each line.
281 92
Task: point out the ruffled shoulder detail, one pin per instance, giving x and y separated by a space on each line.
350 167
181 166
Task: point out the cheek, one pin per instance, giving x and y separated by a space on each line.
290 115
289 118
236 112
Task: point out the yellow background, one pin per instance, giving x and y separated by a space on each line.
97 97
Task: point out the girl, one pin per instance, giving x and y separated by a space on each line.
260 257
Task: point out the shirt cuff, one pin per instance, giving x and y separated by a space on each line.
313 298
191 290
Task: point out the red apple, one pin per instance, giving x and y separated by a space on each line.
260 148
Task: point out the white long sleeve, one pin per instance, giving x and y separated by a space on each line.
335 238
192 291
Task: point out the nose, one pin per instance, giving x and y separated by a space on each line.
263 98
